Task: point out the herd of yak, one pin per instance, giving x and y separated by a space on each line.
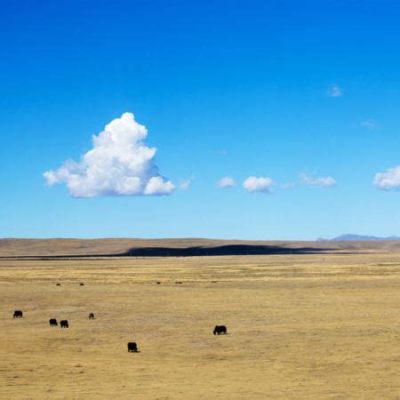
132 346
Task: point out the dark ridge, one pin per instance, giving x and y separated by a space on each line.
194 251
227 250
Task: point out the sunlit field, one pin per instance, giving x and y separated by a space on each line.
299 327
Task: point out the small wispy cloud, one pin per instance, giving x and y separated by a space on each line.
119 164
287 186
323 182
335 91
370 124
261 184
226 182
388 180
185 183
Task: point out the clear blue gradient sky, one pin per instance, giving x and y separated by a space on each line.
225 88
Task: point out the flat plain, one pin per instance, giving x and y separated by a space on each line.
323 326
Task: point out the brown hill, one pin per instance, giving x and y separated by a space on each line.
181 247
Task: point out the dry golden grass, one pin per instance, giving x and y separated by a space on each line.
301 327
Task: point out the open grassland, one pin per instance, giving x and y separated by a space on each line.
300 327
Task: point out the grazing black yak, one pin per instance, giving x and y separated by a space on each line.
53 322
64 324
91 316
18 314
220 330
132 347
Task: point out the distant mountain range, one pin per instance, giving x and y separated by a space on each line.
355 237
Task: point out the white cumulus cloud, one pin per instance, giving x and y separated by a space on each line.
226 182
390 179
119 164
335 91
261 184
325 181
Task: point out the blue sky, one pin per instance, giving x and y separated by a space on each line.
301 93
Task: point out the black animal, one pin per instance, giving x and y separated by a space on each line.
53 322
220 330
132 347
91 316
58 284
64 324
158 283
81 284
18 314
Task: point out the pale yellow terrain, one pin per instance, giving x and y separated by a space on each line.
300 327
